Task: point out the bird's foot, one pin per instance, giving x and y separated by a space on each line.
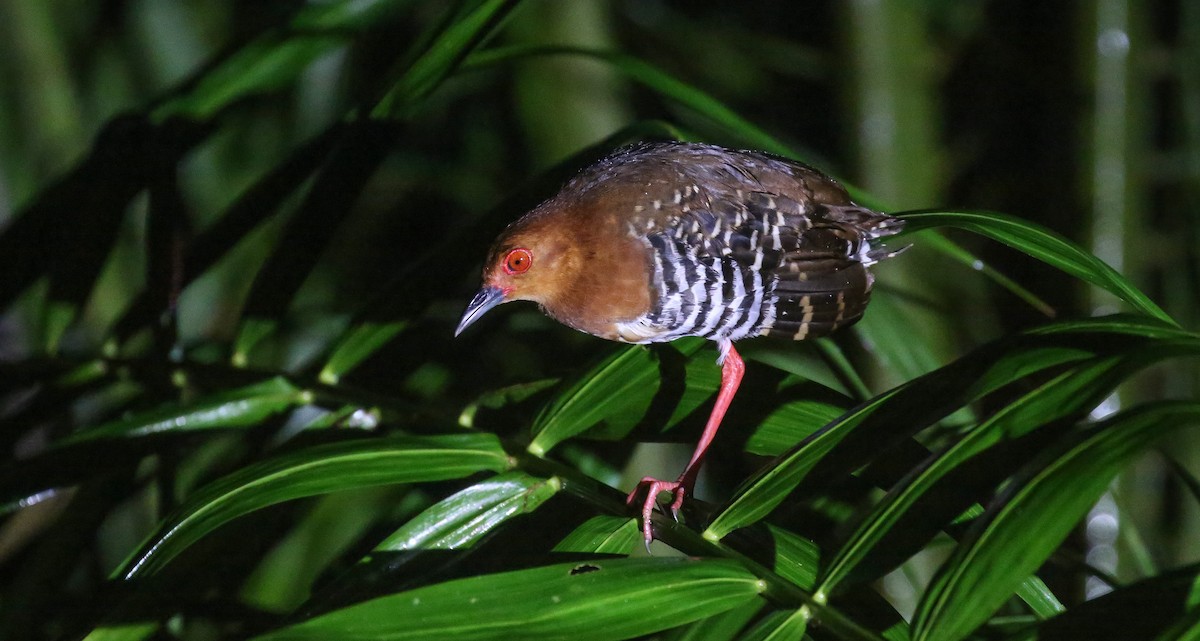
653 487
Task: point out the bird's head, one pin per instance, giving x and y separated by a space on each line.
530 261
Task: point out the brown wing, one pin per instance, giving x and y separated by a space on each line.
792 222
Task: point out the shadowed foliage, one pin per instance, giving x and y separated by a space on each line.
235 240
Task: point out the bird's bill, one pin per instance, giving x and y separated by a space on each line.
486 298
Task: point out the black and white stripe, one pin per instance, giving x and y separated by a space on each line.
743 244
701 295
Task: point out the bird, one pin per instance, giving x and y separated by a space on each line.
661 240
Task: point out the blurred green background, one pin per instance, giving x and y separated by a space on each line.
198 196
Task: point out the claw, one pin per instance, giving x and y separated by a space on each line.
653 487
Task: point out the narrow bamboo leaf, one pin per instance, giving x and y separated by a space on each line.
602 534
312 471
620 388
461 519
442 58
873 425
796 558
868 554
652 77
768 489
499 398
1120 324
1042 244
1138 610
277 59
257 204
1187 628
720 627
57 317
1026 524
1037 595
346 16
898 632
955 251
589 601
250 334
268 64
789 424
337 185
780 626
897 333
359 343
125 632
242 407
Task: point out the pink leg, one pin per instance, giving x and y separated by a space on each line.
731 377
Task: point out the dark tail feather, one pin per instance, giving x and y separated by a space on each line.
822 301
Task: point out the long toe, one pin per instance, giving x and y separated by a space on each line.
653 488
680 492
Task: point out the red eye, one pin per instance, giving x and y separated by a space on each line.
518 261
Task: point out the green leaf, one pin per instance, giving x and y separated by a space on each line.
781 626
307 234
1037 595
276 59
312 471
360 342
442 58
768 489
586 601
721 627
499 398
956 252
1042 244
1187 628
789 424
346 16
1069 393
1123 613
241 407
856 436
650 76
618 389
125 632
268 64
602 534
461 519
896 331
1039 509
796 558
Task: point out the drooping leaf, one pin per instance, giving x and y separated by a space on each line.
1135 611
442 58
276 59
241 407
780 626
871 428
1042 244
1039 509
360 342
620 389
124 632
586 601
312 471
719 627
459 520
602 534
924 502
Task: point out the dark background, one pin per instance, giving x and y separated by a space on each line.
1083 117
